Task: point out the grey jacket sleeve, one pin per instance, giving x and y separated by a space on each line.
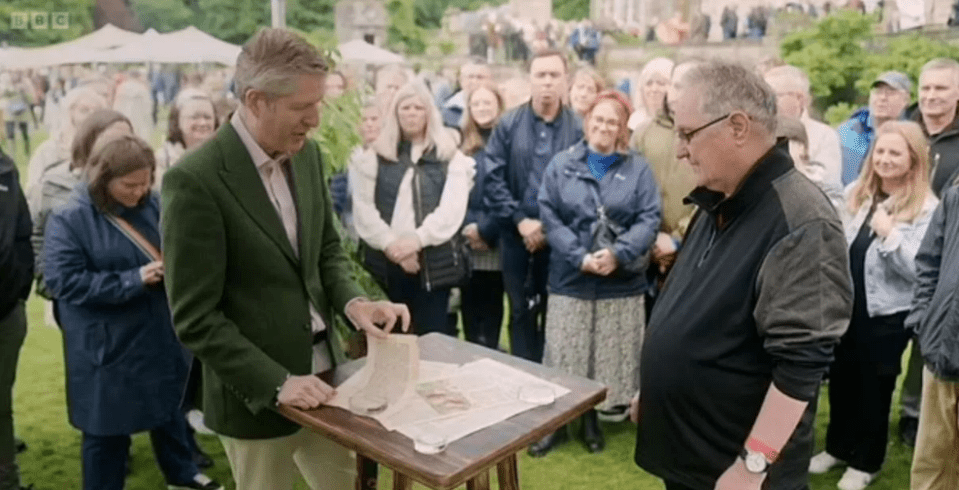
928 261
804 304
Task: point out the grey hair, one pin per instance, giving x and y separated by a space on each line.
437 135
942 64
272 60
728 87
789 76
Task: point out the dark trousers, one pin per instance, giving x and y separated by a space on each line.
12 135
482 308
862 379
911 394
671 485
427 308
524 278
105 457
13 329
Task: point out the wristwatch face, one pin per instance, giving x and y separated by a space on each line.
756 462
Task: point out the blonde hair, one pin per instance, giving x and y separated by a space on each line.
437 135
656 66
66 129
593 75
472 139
907 204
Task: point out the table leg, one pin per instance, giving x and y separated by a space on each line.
479 482
367 473
401 481
508 473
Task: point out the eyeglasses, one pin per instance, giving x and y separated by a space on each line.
686 136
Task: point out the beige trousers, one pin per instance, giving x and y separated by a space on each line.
270 464
935 463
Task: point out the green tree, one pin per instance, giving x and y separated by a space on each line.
404 34
429 13
843 57
233 20
311 15
571 9
337 134
906 54
163 15
79 21
832 53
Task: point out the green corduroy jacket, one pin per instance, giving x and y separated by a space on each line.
239 294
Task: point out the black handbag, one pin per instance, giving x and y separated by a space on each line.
605 231
446 265
375 262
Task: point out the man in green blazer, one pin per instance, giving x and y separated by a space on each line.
255 270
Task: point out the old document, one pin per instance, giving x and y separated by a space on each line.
415 397
390 374
474 396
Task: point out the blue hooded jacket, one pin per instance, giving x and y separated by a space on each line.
568 210
855 138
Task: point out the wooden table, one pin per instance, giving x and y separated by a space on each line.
467 460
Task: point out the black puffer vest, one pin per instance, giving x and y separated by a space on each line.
389 174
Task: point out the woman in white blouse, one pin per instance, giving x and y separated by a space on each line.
413 146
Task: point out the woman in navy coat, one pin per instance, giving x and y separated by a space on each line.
125 367
595 315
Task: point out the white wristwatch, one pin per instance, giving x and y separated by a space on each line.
755 462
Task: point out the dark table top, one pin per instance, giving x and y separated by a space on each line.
463 458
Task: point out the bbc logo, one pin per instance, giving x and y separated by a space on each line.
39 20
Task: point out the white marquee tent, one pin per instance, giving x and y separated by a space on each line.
189 45
359 51
106 37
110 44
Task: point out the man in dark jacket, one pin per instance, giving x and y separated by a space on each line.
938 106
521 146
759 296
934 321
729 22
16 264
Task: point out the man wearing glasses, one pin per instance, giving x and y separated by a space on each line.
888 99
791 86
760 294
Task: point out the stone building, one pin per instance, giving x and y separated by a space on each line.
642 14
540 11
362 19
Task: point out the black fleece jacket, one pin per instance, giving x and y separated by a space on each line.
760 294
16 254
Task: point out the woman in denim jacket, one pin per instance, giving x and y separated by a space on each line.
888 210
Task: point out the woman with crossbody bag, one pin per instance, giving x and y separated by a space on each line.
410 194
601 210
125 368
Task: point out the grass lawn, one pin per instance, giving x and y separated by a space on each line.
52 461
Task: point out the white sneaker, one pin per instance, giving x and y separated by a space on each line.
822 463
854 479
